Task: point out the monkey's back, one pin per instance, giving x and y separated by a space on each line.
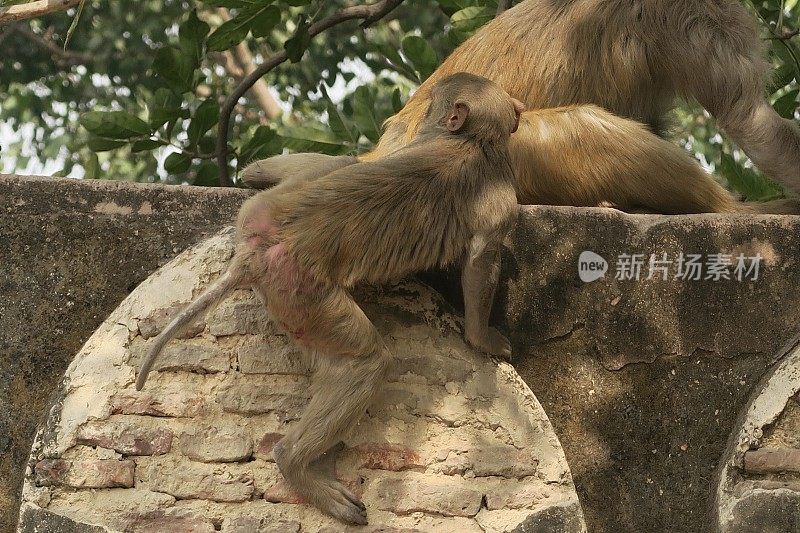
382 220
605 52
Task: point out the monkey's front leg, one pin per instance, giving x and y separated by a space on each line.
478 281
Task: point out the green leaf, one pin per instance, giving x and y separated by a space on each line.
163 107
177 163
144 145
192 34
229 34
236 4
176 69
298 3
205 116
457 4
114 124
746 181
261 18
91 166
364 114
339 125
786 105
470 19
782 76
266 21
308 139
265 143
421 55
298 43
394 57
397 101
207 175
101 144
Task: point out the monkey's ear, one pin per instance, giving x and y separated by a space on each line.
458 115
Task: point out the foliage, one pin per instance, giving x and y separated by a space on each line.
137 92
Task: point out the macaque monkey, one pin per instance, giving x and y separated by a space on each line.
447 195
631 58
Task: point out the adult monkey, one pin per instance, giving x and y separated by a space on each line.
448 195
632 58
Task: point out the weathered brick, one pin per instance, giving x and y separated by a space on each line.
772 460
428 494
266 444
126 438
440 370
195 355
248 524
213 444
151 325
190 480
383 456
504 461
85 473
169 521
175 403
280 395
517 495
239 317
270 354
372 529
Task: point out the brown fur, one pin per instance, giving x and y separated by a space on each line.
448 195
630 57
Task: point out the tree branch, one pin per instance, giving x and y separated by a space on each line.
260 89
368 14
503 5
240 59
62 57
34 9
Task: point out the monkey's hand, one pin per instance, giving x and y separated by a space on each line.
492 342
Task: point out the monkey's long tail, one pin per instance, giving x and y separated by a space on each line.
210 297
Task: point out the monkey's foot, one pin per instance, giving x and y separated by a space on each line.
340 503
492 342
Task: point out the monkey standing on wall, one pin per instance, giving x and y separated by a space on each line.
631 58
448 195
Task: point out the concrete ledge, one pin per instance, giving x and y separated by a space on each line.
70 251
642 380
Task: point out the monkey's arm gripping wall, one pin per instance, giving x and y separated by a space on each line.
218 290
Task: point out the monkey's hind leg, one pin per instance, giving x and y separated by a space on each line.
351 366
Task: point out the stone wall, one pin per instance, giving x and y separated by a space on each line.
642 380
454 442
70 251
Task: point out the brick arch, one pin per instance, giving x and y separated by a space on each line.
456 442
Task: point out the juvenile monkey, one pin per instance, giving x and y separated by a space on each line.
631 58
448 195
